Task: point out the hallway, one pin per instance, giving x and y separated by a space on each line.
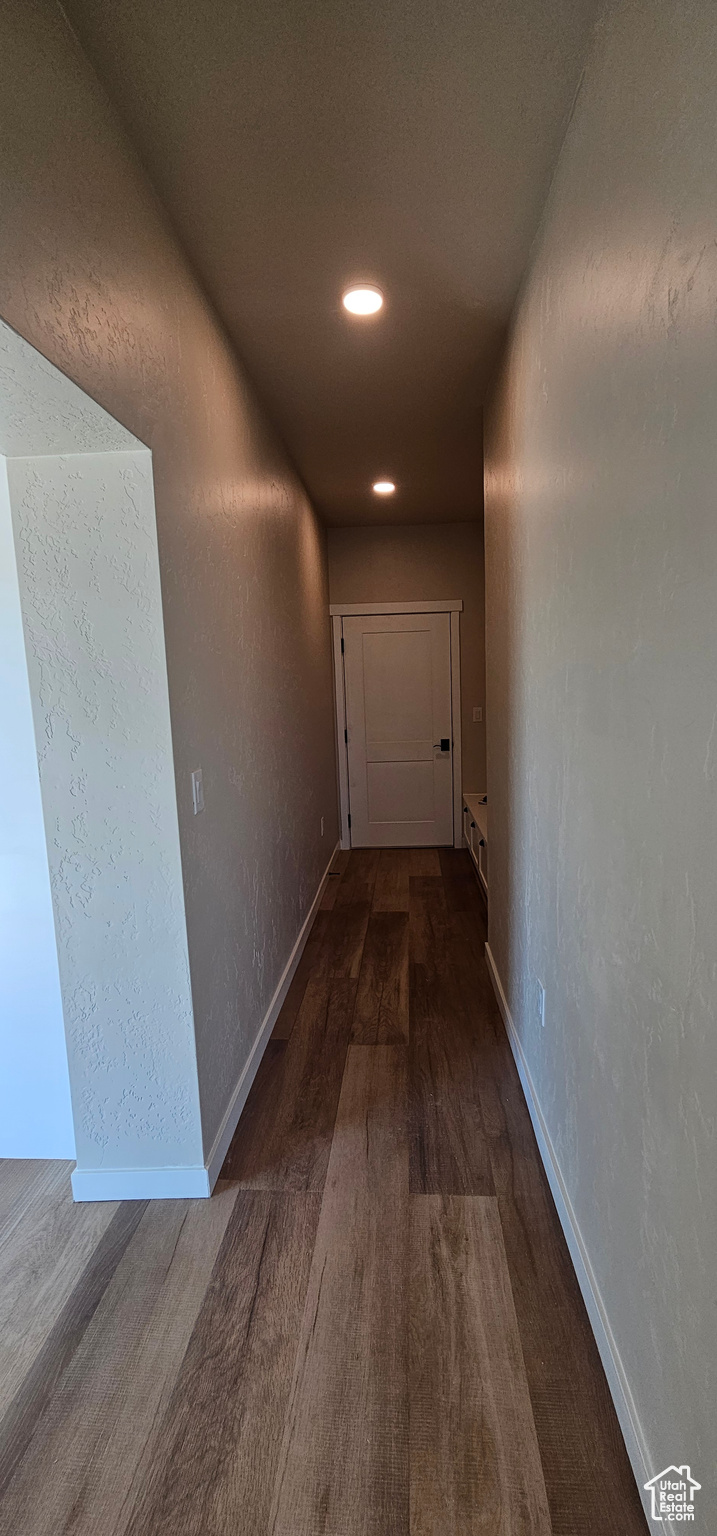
373 1327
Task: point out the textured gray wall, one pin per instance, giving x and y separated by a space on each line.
93 277
601 567
427 560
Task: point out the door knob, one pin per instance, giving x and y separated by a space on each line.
444 744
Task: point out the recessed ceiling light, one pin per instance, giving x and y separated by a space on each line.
363 301
384 487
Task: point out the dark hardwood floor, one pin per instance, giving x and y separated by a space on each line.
372 1329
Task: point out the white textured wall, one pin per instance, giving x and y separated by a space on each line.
88 571
35 1109
601 561
93 276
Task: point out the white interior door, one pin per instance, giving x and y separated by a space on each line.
397 671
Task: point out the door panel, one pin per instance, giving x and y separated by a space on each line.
400 792
397 670
397 686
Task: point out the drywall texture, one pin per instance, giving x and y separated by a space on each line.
35 1108
93 277
88 574
601 563
42 411
424 561
84 655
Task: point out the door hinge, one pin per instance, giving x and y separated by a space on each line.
346 737
342 645
349 818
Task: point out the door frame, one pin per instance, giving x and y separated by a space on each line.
341 611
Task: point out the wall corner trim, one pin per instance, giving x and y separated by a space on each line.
220 1146
640 1459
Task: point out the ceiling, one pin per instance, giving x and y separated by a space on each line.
301 144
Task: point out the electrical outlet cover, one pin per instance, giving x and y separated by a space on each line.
197 791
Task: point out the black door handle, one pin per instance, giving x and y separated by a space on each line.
444 744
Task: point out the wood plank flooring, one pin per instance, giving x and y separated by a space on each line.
344 1462
372 1329
473 1442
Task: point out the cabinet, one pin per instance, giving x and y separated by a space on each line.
475 827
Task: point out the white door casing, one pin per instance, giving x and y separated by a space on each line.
398 701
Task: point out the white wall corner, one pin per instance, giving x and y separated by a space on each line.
35 1105
88 574
197 1183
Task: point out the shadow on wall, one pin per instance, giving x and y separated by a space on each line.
507 757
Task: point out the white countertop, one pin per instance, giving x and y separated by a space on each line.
479 813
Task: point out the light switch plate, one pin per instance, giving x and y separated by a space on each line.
197 791
477 714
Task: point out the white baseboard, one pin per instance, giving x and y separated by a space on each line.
140 1183
622 1397
197 1183
220 1145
